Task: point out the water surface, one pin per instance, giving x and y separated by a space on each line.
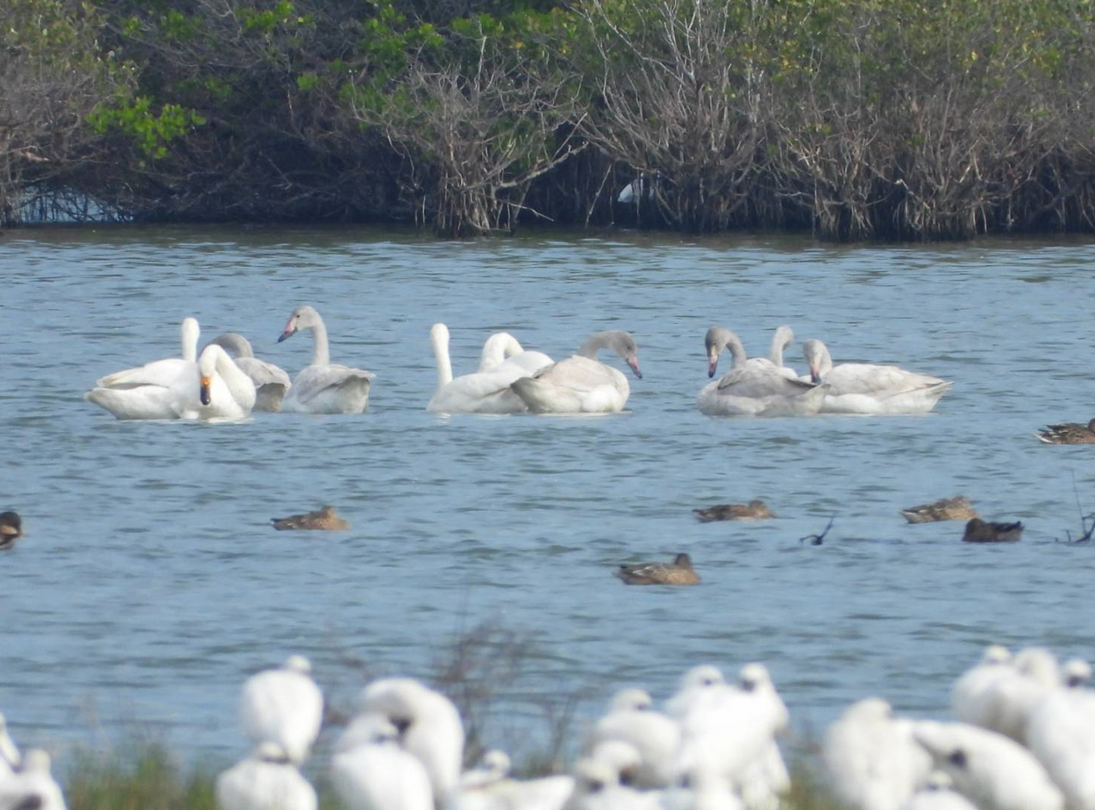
150 583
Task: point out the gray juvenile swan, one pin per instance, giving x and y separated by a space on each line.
323 386
582 384
271 382
755 387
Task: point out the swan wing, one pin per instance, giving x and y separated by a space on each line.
760 381
159 372
263 373
329 389
866 378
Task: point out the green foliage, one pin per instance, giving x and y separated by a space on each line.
152 132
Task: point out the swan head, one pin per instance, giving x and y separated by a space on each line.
717 339
1075 673
996 654
439 334
367 729
497 348
497 762
704 676
622 757
190 332
211 356
298 663
631 700
817 358
752 677
303 317
783 337
620 342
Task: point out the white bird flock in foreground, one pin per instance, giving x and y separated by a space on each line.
1024 739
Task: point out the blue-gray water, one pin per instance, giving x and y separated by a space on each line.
150 584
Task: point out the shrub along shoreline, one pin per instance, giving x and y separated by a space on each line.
851 119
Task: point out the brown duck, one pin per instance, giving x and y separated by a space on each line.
754 510
325 519
678 572
11 529
984 531
957 508
1067 433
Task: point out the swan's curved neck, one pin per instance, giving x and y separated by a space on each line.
825 361
775 354
444 364
322 354
737 351
190 335
593 345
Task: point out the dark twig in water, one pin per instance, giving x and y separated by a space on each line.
817 539
1088 530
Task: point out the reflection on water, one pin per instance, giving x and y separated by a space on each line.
150 582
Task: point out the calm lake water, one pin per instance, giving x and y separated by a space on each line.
150 583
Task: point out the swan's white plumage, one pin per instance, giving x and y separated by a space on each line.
159 372
9 752
266 780
33 786
596 787
179 395
370 771
991 770
1061 734
582 384
727 729
482 391
655 736
271 382
863 388
323 386
1012 697
972 698
871 761
283 706
782 338
938 794
430 728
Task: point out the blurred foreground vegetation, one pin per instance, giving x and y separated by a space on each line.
853 119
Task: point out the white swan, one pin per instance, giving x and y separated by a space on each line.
266 780
283 706
212 388
502 348
972 697
863 388
727 729
992 771
582 384
158 372
33 786
271 382
429 728
371 772
871 759
323 386
1061 734
753 387
483 391
655 736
